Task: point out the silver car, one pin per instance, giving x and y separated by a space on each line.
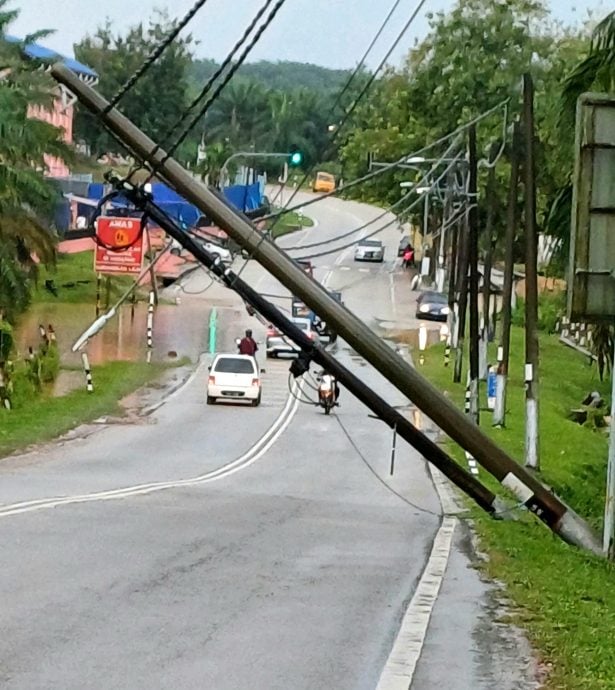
277 343
369 250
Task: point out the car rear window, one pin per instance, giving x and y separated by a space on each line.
370 243
234 365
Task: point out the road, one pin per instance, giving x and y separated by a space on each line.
218 547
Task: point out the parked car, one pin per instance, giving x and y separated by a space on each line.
404 243
216 250
369 250
276 343
432 306
234 377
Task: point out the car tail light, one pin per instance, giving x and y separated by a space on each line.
212 380
256 382
271 331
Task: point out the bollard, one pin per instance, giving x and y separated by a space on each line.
51 333
150 325
89 383
422 343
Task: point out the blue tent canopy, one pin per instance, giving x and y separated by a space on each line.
39 52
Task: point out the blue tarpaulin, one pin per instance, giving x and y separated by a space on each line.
242 197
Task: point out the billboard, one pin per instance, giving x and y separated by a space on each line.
119 248
591 285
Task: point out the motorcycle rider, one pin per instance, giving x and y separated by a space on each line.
247 345
327 382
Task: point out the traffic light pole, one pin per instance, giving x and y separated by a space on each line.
530 492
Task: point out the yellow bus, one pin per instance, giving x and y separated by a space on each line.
324 182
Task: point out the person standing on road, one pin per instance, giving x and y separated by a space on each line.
408 257
247 345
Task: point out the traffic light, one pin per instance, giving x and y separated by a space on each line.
295 157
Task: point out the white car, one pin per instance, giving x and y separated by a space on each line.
369 250
218 250
277 343
234 377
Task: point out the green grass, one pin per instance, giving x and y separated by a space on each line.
564 596
290 222
46 417
75 281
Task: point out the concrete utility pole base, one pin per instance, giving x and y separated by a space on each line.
405 378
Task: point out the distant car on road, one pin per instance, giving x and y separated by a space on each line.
217 250
234 377
432 306
369 250
324 182
277 343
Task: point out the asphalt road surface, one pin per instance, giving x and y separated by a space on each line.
231 547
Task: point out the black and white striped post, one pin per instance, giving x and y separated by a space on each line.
98 292
150 325
422 343
89 383
5 399
467 408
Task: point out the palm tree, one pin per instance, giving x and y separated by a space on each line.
27 199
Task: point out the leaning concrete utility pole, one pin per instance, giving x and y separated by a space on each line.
532 443
473 280
545 505
512 218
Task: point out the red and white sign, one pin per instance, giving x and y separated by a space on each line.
119 233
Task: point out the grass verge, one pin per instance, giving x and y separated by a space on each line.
75 281
46 417
290 222
563 595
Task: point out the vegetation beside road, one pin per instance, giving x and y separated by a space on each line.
562 594
289 222
44 417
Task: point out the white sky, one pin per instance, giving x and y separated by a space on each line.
334 33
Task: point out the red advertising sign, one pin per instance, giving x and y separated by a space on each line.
119 233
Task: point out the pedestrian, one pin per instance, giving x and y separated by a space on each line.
408 257
247 345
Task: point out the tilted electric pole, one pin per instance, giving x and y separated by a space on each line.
473 264
545 505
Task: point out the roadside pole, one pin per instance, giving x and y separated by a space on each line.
531 493
532 443
473 261
486 320
512 218
609 505
150 325
451 340
461 297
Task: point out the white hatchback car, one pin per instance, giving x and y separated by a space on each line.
234 377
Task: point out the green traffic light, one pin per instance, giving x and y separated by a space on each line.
296 158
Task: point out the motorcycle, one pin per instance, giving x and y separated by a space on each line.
326 399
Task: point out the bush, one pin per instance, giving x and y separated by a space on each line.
50 364
551 306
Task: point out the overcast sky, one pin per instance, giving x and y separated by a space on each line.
334 33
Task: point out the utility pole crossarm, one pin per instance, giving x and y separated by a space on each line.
349 327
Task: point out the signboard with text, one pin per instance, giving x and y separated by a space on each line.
121 245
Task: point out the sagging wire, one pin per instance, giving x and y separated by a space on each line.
425 178
155 54
390 166
387 486
415 203
306 401
485 162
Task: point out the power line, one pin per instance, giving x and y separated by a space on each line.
155 54
390 166
425 178
234 67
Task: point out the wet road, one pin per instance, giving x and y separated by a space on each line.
226 547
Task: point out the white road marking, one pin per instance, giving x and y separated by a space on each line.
248 458
345 268
364 270
401 664
392 293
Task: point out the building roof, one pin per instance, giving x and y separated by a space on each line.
39 52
